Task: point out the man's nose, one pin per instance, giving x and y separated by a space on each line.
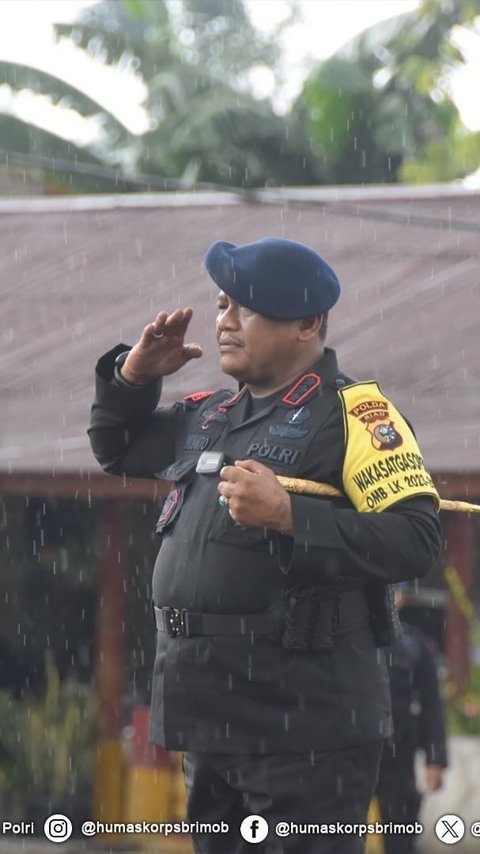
227 319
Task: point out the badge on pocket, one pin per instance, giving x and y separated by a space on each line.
171 508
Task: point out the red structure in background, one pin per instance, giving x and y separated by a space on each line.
109 669
150 778
141 783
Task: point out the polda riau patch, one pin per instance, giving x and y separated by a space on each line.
374 414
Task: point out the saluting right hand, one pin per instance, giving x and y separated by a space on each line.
161 349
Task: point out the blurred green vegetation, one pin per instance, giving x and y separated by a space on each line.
379 110
463 711
47 741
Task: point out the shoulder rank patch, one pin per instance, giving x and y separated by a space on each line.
302 389
382 463
198 396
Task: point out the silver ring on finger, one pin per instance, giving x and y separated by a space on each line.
159 335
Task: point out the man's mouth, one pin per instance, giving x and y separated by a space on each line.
227 344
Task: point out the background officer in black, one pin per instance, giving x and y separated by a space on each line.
418 725
267 672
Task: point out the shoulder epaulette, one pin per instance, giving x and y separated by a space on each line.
198 396
302 389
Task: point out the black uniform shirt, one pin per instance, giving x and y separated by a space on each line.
234 694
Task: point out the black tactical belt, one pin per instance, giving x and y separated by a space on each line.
178 622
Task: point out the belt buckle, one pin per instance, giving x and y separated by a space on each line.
176 620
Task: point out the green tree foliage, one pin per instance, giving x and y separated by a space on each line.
108 35
207 127
381 110
26 142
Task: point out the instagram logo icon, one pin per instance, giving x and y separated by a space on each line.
58 828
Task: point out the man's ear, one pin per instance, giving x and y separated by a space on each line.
309 327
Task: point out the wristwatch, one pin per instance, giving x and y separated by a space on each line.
119 379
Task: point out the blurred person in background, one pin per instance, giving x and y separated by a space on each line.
418 724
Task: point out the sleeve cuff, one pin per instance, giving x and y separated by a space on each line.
106 363
119 399
314 524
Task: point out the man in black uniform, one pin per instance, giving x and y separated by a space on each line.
269 605
418 725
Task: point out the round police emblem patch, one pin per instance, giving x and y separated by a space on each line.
387 435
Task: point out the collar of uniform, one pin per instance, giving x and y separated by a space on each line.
327 366
237 408
304 386
325 370
231 401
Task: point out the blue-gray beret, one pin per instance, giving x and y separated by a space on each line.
274 277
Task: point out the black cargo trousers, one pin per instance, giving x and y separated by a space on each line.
310 801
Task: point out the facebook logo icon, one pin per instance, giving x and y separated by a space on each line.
254 828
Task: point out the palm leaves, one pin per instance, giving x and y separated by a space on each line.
381 108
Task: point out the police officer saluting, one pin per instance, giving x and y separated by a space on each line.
270 606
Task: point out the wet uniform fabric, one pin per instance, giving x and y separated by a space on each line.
283 788
247 694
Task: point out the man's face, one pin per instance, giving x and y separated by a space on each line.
254 349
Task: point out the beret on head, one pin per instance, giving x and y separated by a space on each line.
275 277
